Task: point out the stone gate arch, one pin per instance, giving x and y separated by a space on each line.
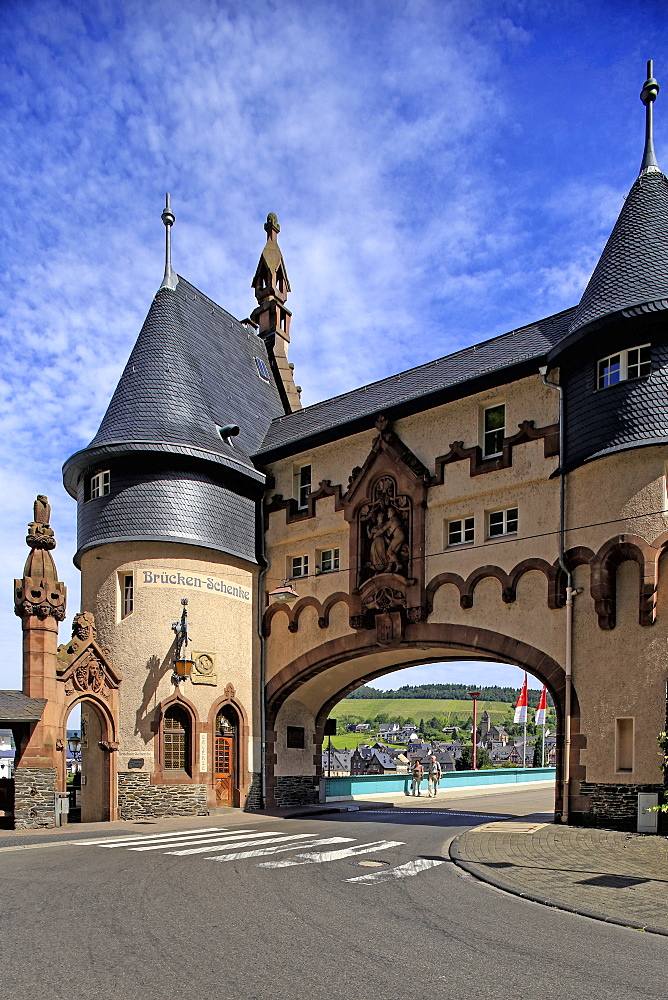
308 687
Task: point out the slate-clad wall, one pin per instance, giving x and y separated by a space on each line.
612 806
630 413
164 504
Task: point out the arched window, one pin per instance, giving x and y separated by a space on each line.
176 740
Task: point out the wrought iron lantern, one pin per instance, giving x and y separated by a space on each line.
74 747
182 663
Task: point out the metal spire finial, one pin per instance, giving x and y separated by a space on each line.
648 95
170 279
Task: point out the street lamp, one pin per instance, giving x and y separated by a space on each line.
286 592
475 695
74 747
182 664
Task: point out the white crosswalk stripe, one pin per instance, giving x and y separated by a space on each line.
262 852
256 838
319 857
246 845
206 840
403 871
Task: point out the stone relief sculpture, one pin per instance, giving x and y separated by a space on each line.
384 530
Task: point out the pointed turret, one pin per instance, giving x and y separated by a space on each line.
631 277
272 316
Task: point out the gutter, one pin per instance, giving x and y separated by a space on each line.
571 592
264 566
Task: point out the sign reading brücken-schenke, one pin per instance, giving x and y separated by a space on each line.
193 581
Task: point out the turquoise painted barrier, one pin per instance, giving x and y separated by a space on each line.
350 786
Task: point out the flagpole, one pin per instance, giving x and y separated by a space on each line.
542 751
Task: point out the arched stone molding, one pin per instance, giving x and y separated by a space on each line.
230 700
293 614
109 744
461 640
604 567
160 776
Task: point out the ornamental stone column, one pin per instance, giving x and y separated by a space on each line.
39 601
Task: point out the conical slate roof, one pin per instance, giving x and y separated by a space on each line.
192 371
633 269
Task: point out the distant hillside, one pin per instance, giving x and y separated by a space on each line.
459 692
412 709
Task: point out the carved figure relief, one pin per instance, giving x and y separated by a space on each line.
89 674
82 664
385 530
204 670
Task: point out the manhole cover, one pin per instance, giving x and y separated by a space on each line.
371 864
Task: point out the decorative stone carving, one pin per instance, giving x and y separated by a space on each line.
384 599
385 530
82 664
388 627
204 669
39 594
109 745
229 691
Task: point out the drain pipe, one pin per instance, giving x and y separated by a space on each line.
262 559
571 592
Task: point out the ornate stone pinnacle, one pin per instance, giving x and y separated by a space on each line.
40 534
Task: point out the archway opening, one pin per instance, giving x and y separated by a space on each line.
87 764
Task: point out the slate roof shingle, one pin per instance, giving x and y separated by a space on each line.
633 268
18 707
528 343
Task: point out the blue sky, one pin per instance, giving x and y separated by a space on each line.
443 171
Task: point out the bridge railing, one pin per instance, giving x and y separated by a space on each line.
353 786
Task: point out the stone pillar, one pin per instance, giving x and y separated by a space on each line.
39 601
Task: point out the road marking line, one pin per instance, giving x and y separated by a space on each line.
243 843
403 871
320 857
141 837
200 838
206 840
431 812
242 855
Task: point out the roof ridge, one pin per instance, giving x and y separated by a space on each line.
407 371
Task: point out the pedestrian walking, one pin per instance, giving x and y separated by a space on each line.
433 776
418 775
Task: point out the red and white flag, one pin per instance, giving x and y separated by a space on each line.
541 711
522 703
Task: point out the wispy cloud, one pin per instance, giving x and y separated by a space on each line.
396 142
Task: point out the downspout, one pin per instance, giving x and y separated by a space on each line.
262 560
571 592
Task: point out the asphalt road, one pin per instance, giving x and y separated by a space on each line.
86 921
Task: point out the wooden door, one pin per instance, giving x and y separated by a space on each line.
224 770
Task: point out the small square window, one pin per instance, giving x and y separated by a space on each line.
461 531
329 560
494 428
100 485
298 566
262 369
503 522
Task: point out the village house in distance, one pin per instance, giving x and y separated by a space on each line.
506 502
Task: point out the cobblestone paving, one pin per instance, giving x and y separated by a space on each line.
619 877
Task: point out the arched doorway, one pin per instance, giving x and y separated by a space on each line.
226 757
88 765
311 685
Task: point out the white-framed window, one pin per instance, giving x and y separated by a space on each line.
329 560
493 430
127 594
100 484
502 522
302 485
298 566
460 531
631 363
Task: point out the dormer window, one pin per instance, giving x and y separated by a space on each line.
100 485
632 363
